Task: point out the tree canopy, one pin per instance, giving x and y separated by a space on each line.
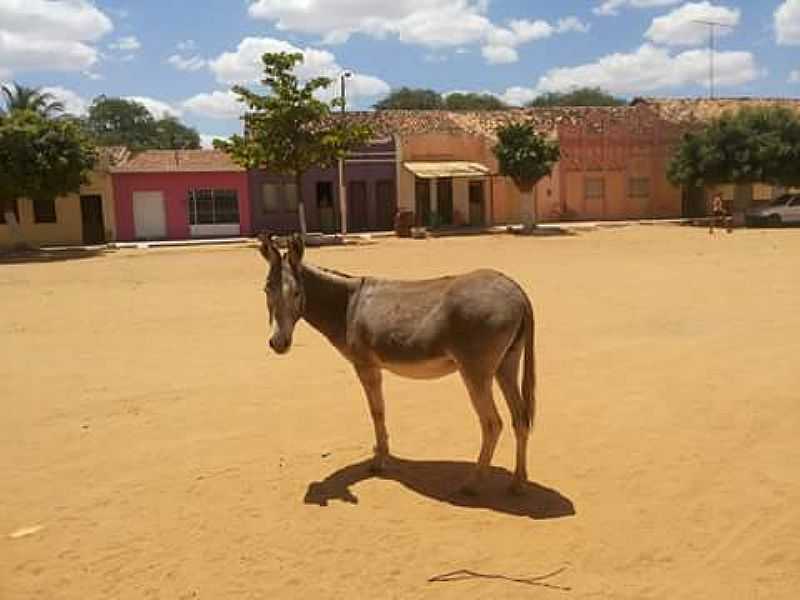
752 145
289 129
525 156
585 96
121 122
406 98
18 97
40 158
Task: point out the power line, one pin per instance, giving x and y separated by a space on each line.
712 31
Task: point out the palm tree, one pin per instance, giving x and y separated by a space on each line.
19 97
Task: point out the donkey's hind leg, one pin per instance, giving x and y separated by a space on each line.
372 381
508 380
479 387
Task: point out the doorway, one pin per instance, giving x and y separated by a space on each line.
325 207
422 202
385 205
444 201
94 230
477 204
357 215
149 216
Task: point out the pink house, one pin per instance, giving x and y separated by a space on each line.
180 194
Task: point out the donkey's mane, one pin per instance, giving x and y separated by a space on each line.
333 272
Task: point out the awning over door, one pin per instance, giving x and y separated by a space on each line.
433 170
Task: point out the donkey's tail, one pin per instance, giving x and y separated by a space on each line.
529 367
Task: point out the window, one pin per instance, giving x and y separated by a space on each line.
44 210
595 188
210 207
3 212
639 187
290 194
324 194
270 197
279 197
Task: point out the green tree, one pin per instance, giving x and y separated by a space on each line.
526 157
411 99
290 130
753 145
472 101
172 134
39 158
18 97
585 96
120 122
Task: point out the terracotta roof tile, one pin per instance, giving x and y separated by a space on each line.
693 110
178 161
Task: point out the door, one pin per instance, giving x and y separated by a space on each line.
477 203
422 202
357 215
386 205
325 208
149 217
94 230
444 201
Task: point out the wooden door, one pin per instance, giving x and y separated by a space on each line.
477 203
422 202
149 216
385 205
94 230
357 214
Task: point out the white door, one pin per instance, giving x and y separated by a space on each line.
149 217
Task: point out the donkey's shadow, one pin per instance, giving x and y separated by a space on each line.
440 480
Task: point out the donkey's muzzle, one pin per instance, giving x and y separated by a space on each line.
280 346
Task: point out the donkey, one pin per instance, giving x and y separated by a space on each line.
478 324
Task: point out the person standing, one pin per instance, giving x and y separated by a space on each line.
719 214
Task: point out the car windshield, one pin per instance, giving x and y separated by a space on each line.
781 200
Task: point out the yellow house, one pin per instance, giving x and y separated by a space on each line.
86 218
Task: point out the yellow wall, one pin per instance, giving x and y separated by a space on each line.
68 229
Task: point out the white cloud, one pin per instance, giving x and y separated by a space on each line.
498 55
680 27
189 63
215 105
517 95
787 23
651 68
54 35
158 108
186 45
129 43
207 140
611 7
430 23
73 103
245 66
794 76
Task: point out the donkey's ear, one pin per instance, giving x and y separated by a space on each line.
296 250
268 249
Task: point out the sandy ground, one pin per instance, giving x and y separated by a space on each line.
151 448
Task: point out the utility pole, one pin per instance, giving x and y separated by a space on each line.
342 187
712 35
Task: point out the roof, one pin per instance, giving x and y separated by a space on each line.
485 123
432 170
178 161
690 110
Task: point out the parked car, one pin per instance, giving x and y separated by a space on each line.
784 209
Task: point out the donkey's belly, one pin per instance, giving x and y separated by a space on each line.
423 369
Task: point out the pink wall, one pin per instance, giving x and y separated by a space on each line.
175 187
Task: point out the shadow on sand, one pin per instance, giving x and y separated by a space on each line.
49 256
441 480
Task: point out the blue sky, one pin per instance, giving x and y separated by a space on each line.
182 57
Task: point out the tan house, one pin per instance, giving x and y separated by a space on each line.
85 218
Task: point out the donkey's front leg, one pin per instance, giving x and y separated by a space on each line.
372 381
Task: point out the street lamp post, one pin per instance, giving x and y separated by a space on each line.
342 187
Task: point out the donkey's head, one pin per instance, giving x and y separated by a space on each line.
286 296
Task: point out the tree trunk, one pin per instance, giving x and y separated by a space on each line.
530 216
301 206
18 241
